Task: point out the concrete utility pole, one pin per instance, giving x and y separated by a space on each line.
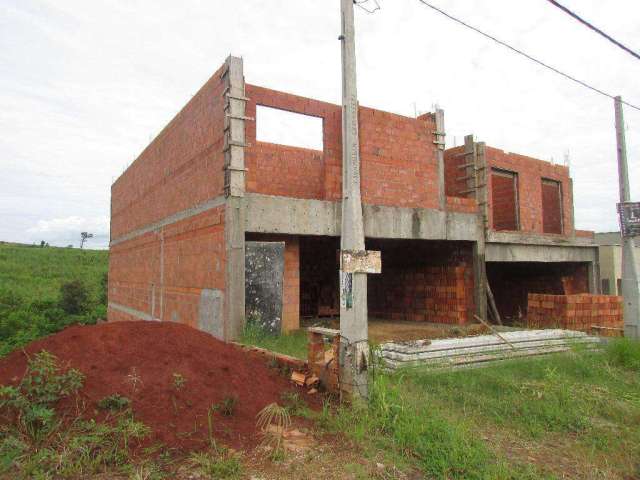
353 285
630 287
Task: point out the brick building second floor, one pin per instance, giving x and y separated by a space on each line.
523 194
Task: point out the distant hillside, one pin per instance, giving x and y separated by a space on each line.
37 273
31 300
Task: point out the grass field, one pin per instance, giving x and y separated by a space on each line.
568 416
573 415
31 283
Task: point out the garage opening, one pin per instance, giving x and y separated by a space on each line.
422 283
511 282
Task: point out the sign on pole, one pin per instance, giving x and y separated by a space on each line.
629 213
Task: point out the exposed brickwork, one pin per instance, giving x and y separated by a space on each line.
504 201
574 312
585 234
162 273
398 157
461 204
453 183
429 282
551 206
181 168
511 283
530 172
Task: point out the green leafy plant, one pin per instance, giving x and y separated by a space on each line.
74 297
227 406
114 403
30 404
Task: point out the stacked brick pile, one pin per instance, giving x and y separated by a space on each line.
574 312
431 294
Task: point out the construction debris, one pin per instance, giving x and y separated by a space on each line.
484 348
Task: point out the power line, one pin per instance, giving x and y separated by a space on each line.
593 27
526 55
361 4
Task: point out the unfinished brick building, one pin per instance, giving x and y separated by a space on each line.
209 212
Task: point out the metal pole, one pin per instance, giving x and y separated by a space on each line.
630 295
353 286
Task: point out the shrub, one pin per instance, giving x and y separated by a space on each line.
104 288
30 404
74 297
624 352
227 406
114 403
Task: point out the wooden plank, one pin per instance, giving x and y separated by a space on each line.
492 303
493 329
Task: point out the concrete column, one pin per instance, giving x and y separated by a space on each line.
475 154
353 286
234 186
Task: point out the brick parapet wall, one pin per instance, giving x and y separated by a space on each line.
181 167
574 312
461 204
530 172
398 157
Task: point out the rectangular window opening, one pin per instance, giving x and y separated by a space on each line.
504 200
551 206
288 128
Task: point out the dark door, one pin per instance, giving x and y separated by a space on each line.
264 273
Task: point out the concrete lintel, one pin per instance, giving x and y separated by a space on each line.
537 239
272 214
504 252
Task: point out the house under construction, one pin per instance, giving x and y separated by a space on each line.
210 225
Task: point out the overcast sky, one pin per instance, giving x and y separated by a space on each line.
84 86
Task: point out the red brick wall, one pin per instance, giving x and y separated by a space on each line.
176 263
511 282
551 207
504 186
574 312
182 166
453 159
162 273
461 204
530 172
398 157
423 282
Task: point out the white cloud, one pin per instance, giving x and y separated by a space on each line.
85 85
65 231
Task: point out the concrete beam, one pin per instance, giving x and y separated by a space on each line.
271 214
504 252
537 239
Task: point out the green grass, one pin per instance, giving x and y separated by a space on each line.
453 424
32 281
35 273
293 344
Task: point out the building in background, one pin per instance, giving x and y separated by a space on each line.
610 253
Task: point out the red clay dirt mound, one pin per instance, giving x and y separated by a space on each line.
113 355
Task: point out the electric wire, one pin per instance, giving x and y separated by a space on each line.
526 55
593 27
